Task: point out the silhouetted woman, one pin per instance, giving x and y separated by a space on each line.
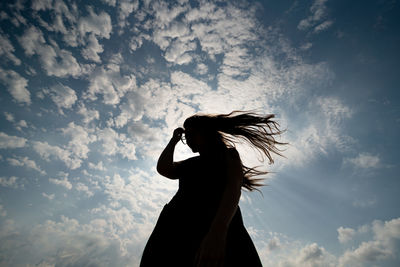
202 225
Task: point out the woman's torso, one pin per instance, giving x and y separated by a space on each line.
201 186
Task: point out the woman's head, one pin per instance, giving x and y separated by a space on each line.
224 130
201 134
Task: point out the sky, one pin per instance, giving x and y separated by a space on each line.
91 91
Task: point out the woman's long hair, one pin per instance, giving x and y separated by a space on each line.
257 130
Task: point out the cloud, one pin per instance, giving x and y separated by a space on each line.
316 20
131 109
60 14
311 255
218 29
165 13
21 124
88 114
11 182
274 243
63 96
282 251
80 138
9 116
117 223
323 131
32 40
7 50
334 109
178 52
110 2
114 143
364 161
8 141
98 24
42 4
146 200
383 247
99 166
84 188
160 99
46 151
345 234
323 26
62 181
55 61
18 125
178 28
16 86
125 8
48 196
201 69
93 49
66 242
109 82
25 161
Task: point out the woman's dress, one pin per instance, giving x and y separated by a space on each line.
186 219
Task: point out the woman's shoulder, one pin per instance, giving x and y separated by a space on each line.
183 165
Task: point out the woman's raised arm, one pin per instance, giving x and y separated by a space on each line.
166 165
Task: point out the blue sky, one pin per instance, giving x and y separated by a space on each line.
91 92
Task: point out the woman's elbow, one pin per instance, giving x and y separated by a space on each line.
161 170
168 173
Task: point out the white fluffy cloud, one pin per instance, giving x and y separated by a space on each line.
67 242
93 49
9 141
376 244
91 28
7 50
384 246
25 161
46 151
125 8
114 143
283 252
88 114
345 234
16 86
55 61
219 29
131 109
99 166
63 96
84 188
80 138
310 256
62 181
98 24
110 83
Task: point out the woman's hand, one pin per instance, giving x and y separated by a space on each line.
212 250
177 134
